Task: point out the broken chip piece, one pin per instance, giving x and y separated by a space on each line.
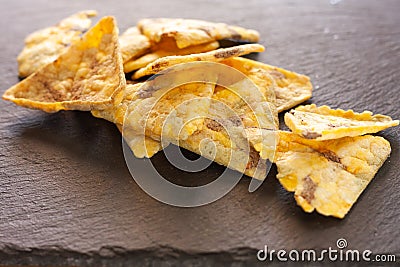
291 88
329 176
323 123
163 50
44 46
188 32
89 75
133 44
213 56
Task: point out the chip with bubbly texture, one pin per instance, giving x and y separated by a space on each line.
163 51
188 32
169 113
45 45
89 75
329 176
324 123
235 108
290 88
133 44
213 56
141 146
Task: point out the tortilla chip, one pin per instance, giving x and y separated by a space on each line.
44 46
169 113
214 56
291 88
161 51
232 111
89 75
133 44
323 123
329 176
141 146
188 32
116 113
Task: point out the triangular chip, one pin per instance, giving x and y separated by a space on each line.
89 75
221 138
133 44
188 32
214 56
169 113
235 108
323 123
291 88
329 176
141 146
164 51
44 46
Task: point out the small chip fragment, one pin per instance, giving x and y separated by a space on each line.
324 123
291 88
188 32
162 50
214 56
45 45
89 75
133 44
329 176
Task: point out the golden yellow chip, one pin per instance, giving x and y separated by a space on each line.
291 88
323 123
233 110
116 113
214 56
89 75
141 146
172 113
161 51
44 46
133 44
188 32
329 176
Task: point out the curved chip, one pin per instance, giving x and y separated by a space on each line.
291 88
187 32
141 146
329 176
89 75
323 123
214 56
133 44
44 46
163 51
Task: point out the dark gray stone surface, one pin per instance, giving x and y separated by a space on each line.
67 198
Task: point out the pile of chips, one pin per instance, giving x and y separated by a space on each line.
327 159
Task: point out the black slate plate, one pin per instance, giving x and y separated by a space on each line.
67 197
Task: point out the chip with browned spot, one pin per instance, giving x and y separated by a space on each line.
290 88
45 45
89 75
323 123
327 176
163 50
188 32
214 56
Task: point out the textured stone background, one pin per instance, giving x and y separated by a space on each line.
67 198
